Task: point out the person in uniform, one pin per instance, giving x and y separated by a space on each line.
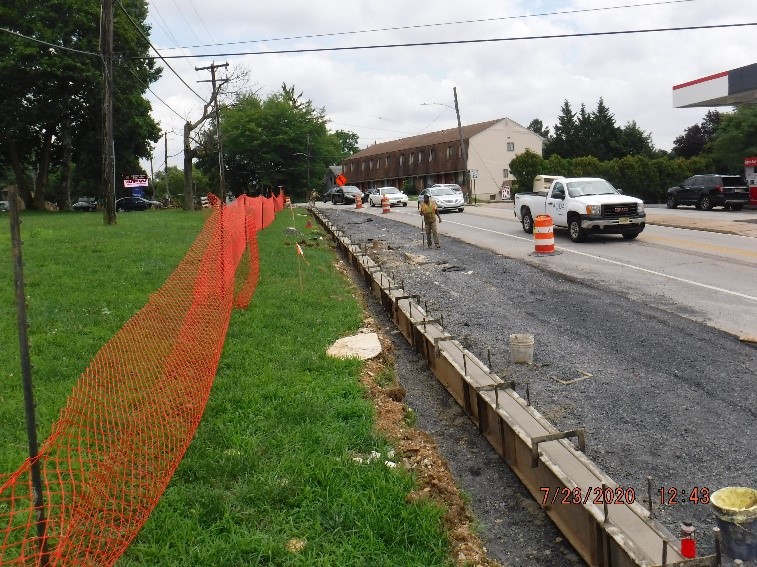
430 214
313 197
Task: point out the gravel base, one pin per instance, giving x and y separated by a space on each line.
657 394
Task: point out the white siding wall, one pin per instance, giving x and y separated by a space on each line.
489 155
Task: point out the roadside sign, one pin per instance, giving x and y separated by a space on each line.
341 180
473 173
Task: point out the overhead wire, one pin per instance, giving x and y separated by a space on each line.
160 56
458 41
441 24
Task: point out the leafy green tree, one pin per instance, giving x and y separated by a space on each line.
51 109
348 143
735 139
278 141
695 139
633 141
525 167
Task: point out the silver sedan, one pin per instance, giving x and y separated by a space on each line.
445 198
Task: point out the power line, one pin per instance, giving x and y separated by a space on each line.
455 42
440 24
54 46
147 39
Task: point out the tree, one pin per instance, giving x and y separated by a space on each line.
53 94
695 139
633 141
602 133
735 139
537 127
348 142
280 140
565 130
525 167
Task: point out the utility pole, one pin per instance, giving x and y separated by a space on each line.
221 177
308 158
165 140
462 147
109 160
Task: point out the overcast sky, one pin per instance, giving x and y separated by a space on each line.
380 93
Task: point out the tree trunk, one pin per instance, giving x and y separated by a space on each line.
44 167
22 181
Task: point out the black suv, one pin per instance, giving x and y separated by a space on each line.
707 191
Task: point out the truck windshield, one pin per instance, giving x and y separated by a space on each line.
590 187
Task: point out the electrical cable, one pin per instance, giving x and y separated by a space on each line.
147 39
456 42
440 24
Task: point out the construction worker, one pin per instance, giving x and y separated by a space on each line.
430 213
313 197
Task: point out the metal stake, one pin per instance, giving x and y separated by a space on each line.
465 365
528 395
664 552
718 552
649 496
489 357
605 509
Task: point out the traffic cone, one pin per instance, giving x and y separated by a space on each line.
358 201
385 206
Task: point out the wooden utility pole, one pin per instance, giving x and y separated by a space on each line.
462 147
221 176
109 159
165 142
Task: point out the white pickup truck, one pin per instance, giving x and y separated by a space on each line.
583 205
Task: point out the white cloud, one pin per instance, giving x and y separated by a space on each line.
378 93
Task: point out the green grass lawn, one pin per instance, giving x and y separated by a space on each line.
269 478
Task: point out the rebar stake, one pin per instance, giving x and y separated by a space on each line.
718 552
528 395
649 496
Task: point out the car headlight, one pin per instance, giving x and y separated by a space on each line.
640 208
594 210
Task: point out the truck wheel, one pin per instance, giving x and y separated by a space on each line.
577 233
671 203
527 221
705 203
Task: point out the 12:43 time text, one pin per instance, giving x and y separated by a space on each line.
672 496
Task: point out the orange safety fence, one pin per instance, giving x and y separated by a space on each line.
130 418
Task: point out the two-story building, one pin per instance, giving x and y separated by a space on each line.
437 157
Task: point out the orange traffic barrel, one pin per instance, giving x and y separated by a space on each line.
358 201
544 238
385 206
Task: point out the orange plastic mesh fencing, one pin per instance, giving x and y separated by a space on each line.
130 418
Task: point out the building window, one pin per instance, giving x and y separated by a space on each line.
402 159
362 166
387 161
412 158
449 151
510 146
460 152
505 173
420 157
431 155
370 165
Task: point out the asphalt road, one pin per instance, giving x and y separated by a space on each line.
663 392
707 273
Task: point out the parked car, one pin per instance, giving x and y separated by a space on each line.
5 206
454 186
347 194
86 205
327 195
708 191
126 204
396 197
445 197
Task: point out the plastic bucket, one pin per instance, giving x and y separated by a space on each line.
522 348
735 510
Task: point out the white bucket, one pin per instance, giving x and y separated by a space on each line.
521 348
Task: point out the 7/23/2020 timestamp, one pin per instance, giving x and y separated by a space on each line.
673 496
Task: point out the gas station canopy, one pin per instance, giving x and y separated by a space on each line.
729 88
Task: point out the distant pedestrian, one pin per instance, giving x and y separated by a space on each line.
430 214
313 197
